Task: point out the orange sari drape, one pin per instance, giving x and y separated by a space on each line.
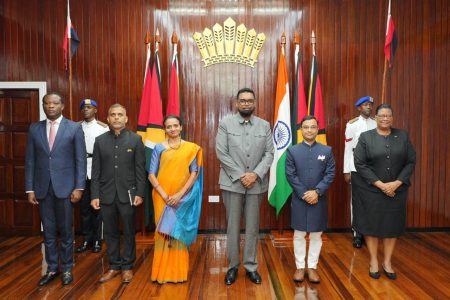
171 256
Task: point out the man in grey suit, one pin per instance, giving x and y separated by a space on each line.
55 174
245 149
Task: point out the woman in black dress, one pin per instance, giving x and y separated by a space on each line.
384 161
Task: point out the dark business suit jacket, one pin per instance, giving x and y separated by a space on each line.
118 166
384 158
64 166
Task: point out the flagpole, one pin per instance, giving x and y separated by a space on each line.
297 45
147 41
383 87
69 37
157 40
313 43
283 45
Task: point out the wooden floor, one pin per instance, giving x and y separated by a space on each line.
422 262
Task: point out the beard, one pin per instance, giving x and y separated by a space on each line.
246 112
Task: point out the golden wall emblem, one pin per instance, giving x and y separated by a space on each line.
229 44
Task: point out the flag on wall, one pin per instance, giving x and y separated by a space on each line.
71 34
279 187
150 122
300 110
390 44
174 101
315 101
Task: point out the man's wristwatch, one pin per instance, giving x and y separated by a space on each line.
318 192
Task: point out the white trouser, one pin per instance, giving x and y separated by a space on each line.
315 244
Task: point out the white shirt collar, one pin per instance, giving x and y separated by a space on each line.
58 121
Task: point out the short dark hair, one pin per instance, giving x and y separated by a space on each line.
61 98
116 105
245 90
171 117
307 118
384 106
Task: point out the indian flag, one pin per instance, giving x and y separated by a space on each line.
279 188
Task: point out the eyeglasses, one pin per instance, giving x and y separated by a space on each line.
309 127
246 101
384 116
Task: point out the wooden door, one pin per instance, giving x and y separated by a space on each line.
18 109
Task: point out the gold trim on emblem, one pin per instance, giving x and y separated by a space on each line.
229 44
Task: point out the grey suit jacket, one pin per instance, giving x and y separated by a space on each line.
244 147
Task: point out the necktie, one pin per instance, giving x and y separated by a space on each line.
52 134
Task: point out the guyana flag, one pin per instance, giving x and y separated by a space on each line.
150 122
300 110
279 187
315 101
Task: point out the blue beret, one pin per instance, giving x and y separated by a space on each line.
363 100
88 101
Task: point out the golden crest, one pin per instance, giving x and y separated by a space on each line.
229 44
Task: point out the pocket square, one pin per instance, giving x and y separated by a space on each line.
129 150
321 157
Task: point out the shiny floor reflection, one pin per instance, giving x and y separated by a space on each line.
421 260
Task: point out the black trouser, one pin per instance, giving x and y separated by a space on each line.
91 219
110 216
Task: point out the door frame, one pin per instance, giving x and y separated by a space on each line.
41 86
28 85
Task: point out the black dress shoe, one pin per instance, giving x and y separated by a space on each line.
47 278
390 275
254 277
67 278
374 275
97 247
231 276
83 247
358 242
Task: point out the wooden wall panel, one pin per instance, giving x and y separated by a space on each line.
109 67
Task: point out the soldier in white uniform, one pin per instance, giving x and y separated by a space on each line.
91 223
353 130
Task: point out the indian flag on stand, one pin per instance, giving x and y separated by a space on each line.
279 188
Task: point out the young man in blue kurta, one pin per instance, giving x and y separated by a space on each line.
310 169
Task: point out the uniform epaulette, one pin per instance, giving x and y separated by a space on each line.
353 120
101 123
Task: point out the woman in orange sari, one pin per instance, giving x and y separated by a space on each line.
176 173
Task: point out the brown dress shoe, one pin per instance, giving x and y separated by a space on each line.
109 275
299 275
127 275
313 276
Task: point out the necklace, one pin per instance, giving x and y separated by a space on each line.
172 146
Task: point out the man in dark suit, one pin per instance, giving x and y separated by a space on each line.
310 170
118 185
55 173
